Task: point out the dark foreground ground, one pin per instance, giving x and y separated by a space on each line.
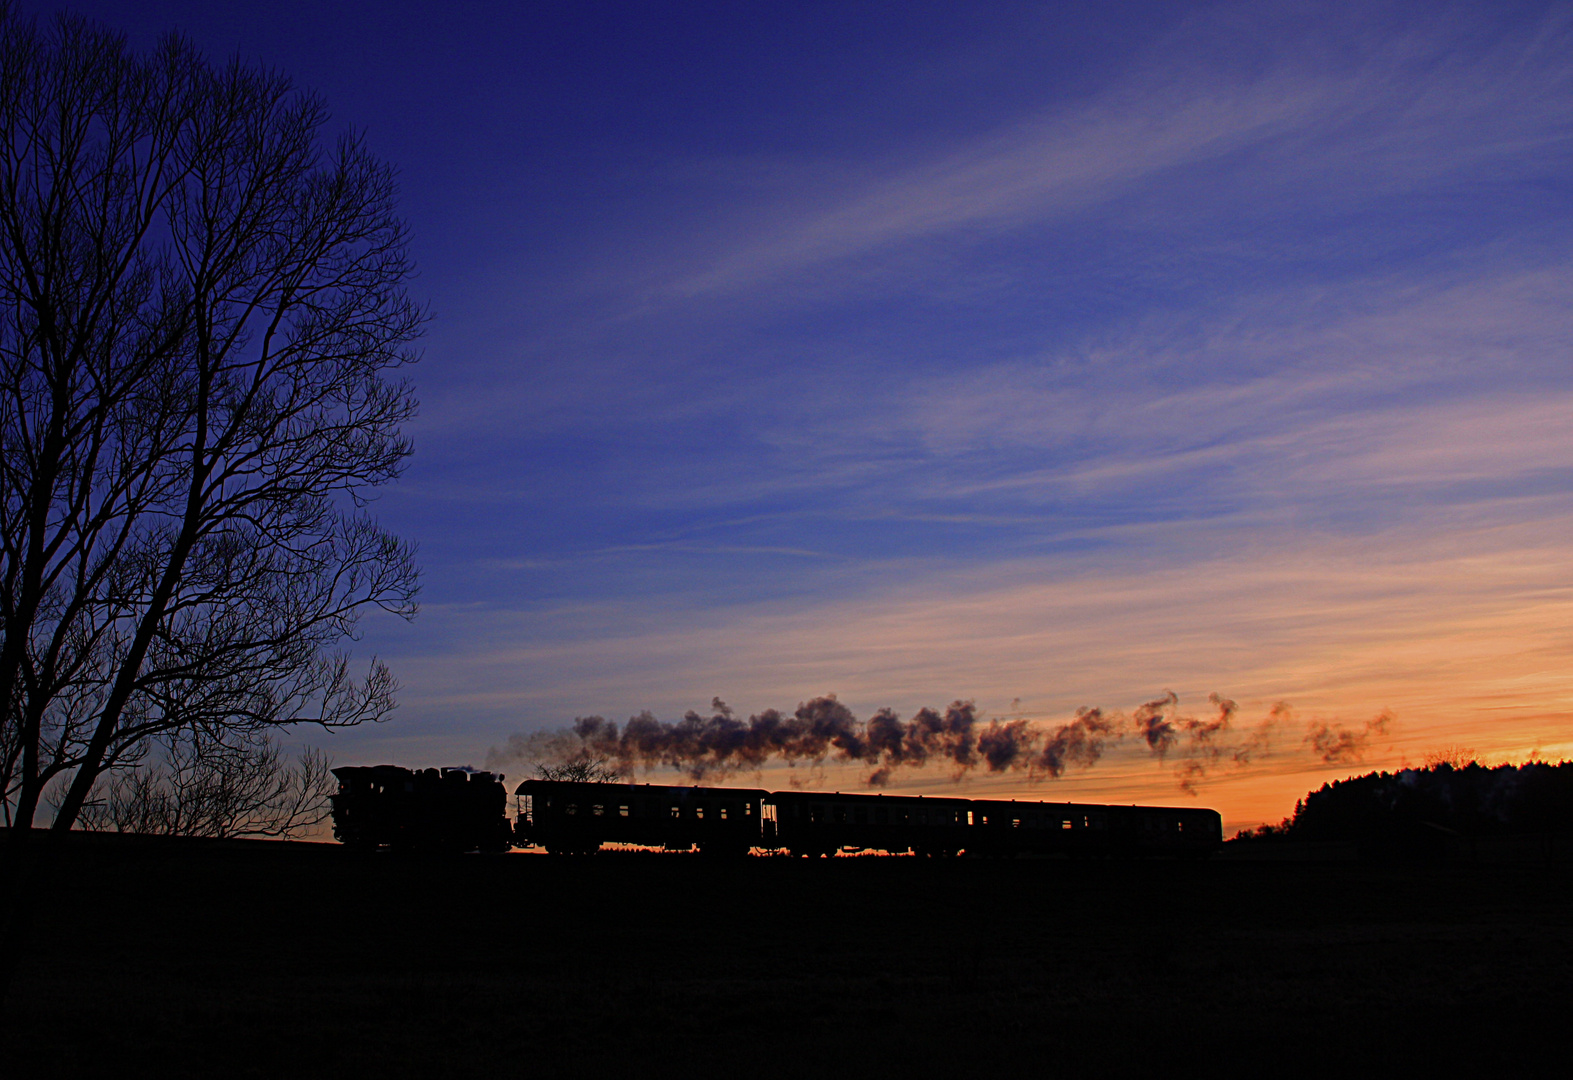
306 960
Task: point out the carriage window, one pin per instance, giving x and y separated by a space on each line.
622 811
880 815
677 811
699 812
1067 825
860 815
723 813
570 808
1179 826
748 809
816 813
598 810
1015 822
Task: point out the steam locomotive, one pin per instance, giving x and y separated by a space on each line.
420 809
385 805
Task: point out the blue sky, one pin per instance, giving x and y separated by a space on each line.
1038 355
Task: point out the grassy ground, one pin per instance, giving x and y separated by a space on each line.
289 960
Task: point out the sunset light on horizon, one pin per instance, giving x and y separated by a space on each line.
1212 358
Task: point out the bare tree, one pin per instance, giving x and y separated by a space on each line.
200 785
583 767
202 322
555 755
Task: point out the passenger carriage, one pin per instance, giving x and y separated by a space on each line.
566 817
822 823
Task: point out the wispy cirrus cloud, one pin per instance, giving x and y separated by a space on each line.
1344 396
1311 125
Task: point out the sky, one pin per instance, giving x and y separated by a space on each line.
1043 356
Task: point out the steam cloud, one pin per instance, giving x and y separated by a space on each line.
1341 745
824 730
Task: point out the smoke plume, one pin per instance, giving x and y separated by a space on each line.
1340 745
1079 742
1154 724
823 731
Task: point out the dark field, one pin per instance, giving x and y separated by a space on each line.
286 960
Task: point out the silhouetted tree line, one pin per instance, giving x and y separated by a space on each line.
1468 800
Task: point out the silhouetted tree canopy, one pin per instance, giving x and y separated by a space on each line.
1474 800
1469 800
202 326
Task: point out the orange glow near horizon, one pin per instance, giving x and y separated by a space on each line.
1261 791
1462 640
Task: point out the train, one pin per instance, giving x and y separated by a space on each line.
388 806
456 810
